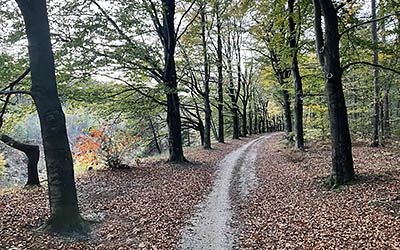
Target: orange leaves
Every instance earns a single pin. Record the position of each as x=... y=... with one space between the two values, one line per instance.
x=107 y=147
x=88 y=146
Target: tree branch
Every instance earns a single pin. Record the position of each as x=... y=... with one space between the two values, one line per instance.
x=367 y=22
x=369 y=64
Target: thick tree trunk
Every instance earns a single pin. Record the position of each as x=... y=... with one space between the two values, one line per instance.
x=374 y=32
x=207 y=107
x=342 y=160
x=221 y=132
x=298 y=86
x=173 y=111
x=32 y=152
x=64 y=212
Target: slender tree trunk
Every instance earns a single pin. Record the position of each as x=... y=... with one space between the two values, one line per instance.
x=251 y=121
x=64 y=212
x=32 y=152
x=173 y=111
x=255 y=121
x=298 y=86
x=244 y=119
x=288 y=111
x=386 y=114
x=342 y=160
x=214 y=129
x=377 y=101
x=239 y=76
x=221 y=133
x=207 y=108
x=155 y=137
x=232 y=95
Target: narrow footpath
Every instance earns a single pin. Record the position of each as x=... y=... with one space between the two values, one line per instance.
x=210 y=227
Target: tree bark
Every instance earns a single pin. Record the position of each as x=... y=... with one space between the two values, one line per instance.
x=207 y=107
x=32 y=152
x=288 y=112
x=298 y=85
x=386 y=114
x=244 y=120
x=64 y=212
x=155 y=136
x=251 y=122
x=374 y=32
x=173 y=112
x=342 y=160
x=232 y=95
x=255 y=121
x=221 y=133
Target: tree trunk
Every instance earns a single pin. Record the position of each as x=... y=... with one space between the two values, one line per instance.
x=342 y=160
x=244 y=119
x=32 y=152
x=201 y=133
x=386 y=114
x=374 y=31
x=221 y=133
x=155 y=137
x=207 y=108
x=173 y=112
x=232 y=95
x=64 y=212
x=298 y=86
x=255 y=122
x=288 y=111
x=251 y=122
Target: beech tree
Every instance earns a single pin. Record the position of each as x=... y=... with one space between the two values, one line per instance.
x=327 y=42
x=64 y=211
x=297 y=81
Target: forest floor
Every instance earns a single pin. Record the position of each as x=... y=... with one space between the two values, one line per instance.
x=272 y=197
x=145 y=207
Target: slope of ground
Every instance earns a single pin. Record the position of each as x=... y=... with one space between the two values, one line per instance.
x=291 y=210
x=142 y=208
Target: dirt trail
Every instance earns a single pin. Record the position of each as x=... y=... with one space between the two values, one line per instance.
x=211 y=227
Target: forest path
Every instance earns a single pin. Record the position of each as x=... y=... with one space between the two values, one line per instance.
x=210 y=227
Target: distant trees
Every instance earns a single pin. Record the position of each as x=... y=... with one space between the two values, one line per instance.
x=233 y=68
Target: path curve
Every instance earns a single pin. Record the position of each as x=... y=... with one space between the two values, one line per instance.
x=210 y=227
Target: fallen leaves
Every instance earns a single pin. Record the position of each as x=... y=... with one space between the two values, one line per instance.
x=142 y=208
x=290 y=211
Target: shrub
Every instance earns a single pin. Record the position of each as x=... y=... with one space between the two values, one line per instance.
x=109 y=148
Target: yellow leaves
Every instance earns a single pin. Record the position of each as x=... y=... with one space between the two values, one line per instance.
x=317 y=108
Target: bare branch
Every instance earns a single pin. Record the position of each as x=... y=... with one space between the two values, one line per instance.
x=183 y=16
x=369 y=64
x=367 y=22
